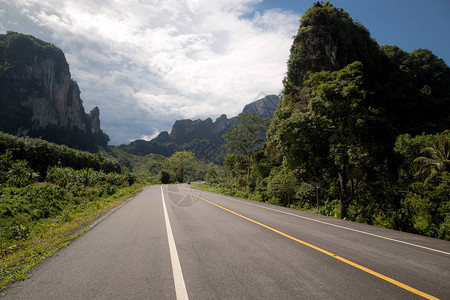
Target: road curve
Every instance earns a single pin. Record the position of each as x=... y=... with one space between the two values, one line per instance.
x=229 y=248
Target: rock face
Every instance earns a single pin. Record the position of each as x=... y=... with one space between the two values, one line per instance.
x=203 y=137
x=94 y=117
x=264 y=107
x=184 y=131
x=38 y=96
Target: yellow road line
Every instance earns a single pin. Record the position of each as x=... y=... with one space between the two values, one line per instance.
x=381 y=276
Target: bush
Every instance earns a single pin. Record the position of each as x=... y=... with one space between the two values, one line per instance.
x=164 y=177
x=41 y=154
x=274 y=201
x=20 y=174
x=282 y=185
x=305 y=195
x=17 y=232
x=66 y=190
x=68 y=177
x=330 y=208
x=444 y=229
x=430 y=206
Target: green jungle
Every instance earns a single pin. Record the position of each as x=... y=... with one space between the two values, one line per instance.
x=361 y=133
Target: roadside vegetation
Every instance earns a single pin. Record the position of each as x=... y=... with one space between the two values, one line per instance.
x=419 y=203
x=147 y=166
x=48 y=195
x=181 y=167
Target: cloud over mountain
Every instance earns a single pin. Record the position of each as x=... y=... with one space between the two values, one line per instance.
x=147 y=63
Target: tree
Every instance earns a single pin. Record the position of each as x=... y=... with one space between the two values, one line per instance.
x=360 y=146
x=302 y=139
x=439 y=160
x=282 y=185
x=417 y=87
x=164 y=177
x=214 y=174
x=178 y=164
x=339 y=141
x=246 y=138
x=236 y=166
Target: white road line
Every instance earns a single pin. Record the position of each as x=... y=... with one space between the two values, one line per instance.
x=342 y=227
x=180 y=286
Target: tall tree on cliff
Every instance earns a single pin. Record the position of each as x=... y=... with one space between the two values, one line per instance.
x=330 y=127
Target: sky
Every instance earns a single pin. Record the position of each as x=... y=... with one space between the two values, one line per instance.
x=147 y=63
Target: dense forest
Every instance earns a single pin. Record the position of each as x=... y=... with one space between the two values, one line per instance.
x=361 y=132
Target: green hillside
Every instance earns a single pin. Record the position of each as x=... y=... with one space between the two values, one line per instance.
x=361 y=132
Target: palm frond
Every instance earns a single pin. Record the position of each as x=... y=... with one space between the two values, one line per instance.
x=437 y=161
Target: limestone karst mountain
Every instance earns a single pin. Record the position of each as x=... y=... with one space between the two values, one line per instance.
x=203 y=137
x=38 y=97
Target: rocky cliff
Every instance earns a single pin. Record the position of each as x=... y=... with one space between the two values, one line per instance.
x=203 y=137
x=39 y=98
x=264 y=107
x=185 y=131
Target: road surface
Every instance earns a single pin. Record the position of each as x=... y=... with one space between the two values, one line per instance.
x=174 y=242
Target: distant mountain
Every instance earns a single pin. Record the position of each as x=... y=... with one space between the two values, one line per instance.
x=38 y=97
x=203 y=137
x=264 y=107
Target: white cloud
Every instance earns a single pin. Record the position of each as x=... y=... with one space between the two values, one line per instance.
x=171 y=59
x=148 y=137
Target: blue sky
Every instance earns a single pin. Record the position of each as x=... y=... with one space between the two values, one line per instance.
x=409 y=24
x=147 y=63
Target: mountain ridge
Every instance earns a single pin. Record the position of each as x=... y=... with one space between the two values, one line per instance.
x=203 y=137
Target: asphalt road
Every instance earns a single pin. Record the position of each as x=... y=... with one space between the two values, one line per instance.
x=173 y=242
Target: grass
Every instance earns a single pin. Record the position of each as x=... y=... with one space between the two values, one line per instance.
x=50 y=235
